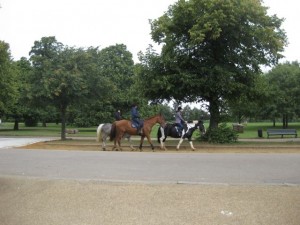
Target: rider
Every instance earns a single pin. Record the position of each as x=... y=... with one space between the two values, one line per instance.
x=179 y=121
x=118 y=115
x=135 y=117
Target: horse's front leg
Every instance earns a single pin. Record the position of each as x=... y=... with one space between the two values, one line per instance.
x=191 y=144
x=150 y=142
x=141 y=143
x=162 y=139
x=103 y=144
x=179 y=143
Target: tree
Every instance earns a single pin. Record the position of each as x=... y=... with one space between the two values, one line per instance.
x=8 y=83
x=284 y=81
x=117 y=65
x=251 y=104
x=212 y=51
x=109 y=75
x=21 y=109
x=56 y=79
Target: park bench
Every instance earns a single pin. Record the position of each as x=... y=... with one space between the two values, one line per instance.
x=71 y=131
x=282 y=132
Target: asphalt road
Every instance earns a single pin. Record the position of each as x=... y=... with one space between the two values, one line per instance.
x=140 y=167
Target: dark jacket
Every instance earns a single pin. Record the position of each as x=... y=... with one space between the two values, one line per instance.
x=118 y=116
x=135 y=116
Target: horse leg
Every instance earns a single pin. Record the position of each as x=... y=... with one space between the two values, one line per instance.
x=131 y=146
x=164 y=145
x=141 y=143
x=119 y=138
x=192 y=146
x=104 y=137
x=119 y=144
x=150 y=142
x=162 y=139
x=191 y=143
x=103 y=144
x=179 y=143
x=115 y=145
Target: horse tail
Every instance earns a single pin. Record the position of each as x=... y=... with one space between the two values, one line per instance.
x=113 y=132
x=99 y=132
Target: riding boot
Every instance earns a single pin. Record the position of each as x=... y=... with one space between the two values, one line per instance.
x=139 y=131
x=179 y=131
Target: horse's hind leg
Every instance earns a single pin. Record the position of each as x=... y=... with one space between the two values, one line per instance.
x=131 y=146
x=115 y=145
x=119 y=144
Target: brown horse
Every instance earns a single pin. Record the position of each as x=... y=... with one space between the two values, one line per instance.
x=119 y=128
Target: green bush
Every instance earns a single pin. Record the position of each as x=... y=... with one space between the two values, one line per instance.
x=222 y=134
x=31 y=122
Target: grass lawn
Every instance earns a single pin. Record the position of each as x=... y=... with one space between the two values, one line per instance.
x=53 y=130
x=251 y=129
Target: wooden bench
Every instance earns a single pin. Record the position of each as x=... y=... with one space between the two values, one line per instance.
x=71 y=131
x=282 y=132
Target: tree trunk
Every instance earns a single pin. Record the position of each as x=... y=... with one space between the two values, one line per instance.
x=284 y=121
x=16 y=125
x=214 y=114
x=63 y=123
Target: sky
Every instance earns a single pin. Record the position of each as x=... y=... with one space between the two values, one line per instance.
x=102 y=23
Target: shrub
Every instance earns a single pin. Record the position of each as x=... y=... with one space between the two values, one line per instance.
x=222 y=134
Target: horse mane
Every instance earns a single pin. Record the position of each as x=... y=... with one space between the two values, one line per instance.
x=152 y=117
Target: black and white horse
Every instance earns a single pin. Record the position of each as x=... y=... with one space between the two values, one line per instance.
x=103 y=132
x=172 y=131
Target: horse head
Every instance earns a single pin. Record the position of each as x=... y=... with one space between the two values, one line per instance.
x=201 y=126
x=161 y=120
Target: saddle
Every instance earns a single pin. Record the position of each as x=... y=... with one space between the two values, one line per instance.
x=136 y=125
x=177 y=129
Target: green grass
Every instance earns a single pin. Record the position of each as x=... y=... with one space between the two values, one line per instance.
x=251 y=129
x=53 y=130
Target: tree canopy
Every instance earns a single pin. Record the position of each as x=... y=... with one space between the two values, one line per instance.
x=8 y=85
x=284 y=91
x=212 y=50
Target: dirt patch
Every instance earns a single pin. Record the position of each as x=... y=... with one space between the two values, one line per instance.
x=91 y=145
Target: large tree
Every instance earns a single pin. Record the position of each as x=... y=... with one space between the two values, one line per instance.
x=212 y=50
x=8 y=83
x=57 y=79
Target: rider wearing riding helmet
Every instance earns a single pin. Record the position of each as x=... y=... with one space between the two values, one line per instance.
x=179 y=121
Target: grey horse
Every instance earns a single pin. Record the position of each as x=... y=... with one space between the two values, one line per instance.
x=103 y=131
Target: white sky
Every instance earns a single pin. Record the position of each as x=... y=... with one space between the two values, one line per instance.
x=85 y=23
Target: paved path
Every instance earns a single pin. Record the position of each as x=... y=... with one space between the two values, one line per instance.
x=9 y=142
x=153 y=167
